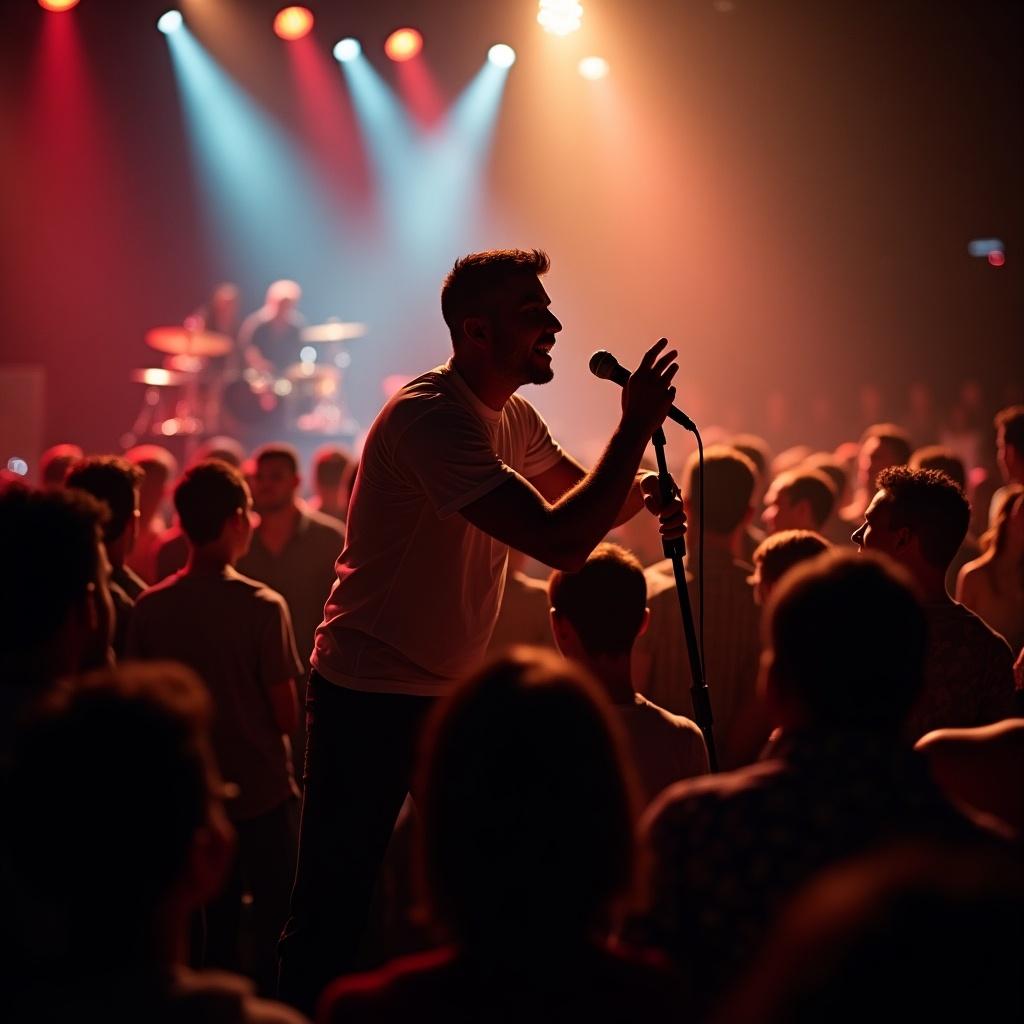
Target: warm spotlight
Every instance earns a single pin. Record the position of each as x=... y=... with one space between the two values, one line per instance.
x=501 y=55
x=293 y=22
x=560 y=17
x=593 y=68
x=403 y=44
x=346 y=50
x=170 y=22
x=996 y=258
x=57 y=5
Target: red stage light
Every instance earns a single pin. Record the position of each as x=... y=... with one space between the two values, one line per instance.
x=996 y=258
x=403 y=44
x=57 y=5
x=293 y=22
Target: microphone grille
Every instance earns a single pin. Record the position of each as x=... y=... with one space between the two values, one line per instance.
x=603 y=364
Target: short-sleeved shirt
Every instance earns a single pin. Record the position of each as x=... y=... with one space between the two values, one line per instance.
x=237 y=635
x=968 y=673
x=302 y=572
x=667 y=748
x=418 y=585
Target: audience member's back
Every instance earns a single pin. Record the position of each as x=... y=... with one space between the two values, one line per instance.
x=729 y=850
x=526 y=851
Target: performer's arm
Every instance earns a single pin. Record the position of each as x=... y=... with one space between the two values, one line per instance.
x=564 y=532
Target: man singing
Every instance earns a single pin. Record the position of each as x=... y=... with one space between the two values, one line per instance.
x=456 y=469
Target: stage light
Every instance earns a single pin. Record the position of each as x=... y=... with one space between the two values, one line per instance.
x=501 y=55
x=57 y=5
x=293 y=22
x=170 y=22
x=996 y=258
x=347 y=49
x=403 y=44
x=560 y=17
x=593 y=68
x=981 y=247
x=14 y=464
x=307 y=354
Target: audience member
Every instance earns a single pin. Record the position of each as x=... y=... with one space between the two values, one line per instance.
x=54 y=464
x=992 y=586
x=982 y=768
x=777 y=554
x=236 y=633
x=802 y=499
x=1009 y=424
x=158 y=467
x=115 y=482
x=919 y=518
x=523 y=616
x=756 y=449
x=945 y=460
x=596 y=615
x=119 y=836
x=172 y=546
x=56 y=616
x=526 y=857
x=294 y=548
x=881 y=445
x=730 y=616
x=834 y=529
x=334 y=470
x=845 y=640
x=922 y=932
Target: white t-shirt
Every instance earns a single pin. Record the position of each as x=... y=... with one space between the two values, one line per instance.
x=418 y=585
x=666 y=747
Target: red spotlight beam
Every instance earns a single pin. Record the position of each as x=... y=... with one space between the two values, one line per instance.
x=419 y=91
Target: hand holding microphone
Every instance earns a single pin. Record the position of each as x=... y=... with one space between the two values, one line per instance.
x=605 y=365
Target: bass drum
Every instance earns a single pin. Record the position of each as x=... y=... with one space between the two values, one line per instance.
x=252 y=403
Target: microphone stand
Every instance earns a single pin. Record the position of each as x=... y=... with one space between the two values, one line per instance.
x=674 y=550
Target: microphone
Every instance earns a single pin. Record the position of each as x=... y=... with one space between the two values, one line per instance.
x=607 y=367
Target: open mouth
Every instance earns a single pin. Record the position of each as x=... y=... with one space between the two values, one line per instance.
x=544 y=347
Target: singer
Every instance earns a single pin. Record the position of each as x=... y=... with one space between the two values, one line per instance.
x=456 y=469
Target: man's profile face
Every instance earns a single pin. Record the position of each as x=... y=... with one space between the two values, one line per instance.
x=522 y=329
x=274 y=485
x=779 y=511
x=876 y=533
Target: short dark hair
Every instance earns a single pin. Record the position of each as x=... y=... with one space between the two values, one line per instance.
x=943 y=459
x=728 y=483
x=473 y=276
x=604 y=602
x=779 y=552
x=893 y=435
x=812 y=486
x=114 y=481
x=848 y=635
x=827 y=464
x=111 y=783
x=330 y=464
x=55 y=462
x=206 y=497
x=931 y=506
x=1011 y=421
x=528 y=807
x=278 y=450
x=756 y=449
x=51 y=558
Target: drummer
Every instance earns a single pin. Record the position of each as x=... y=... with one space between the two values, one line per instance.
x=270 y=339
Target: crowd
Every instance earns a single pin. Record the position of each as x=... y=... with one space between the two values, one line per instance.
x=566 y=854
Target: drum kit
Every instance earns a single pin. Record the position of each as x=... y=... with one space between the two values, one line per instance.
x=194 y=393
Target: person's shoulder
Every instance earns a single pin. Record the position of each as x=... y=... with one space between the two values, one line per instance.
x=166 y=590
x=224 y=987
x=320 y=523
x=403 y=986
x=977 y=628
x=253 y=590
x=704 y=793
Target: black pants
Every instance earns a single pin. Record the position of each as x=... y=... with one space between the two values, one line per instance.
x=264 y=866
x=360 y=749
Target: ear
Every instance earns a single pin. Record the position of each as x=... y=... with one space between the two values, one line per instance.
x=748 y=516
x=904 y=538
x=476 y=329
x=210 y=857
x=644 y=623
x=566 y=638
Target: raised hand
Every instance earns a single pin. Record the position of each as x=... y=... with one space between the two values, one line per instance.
x=648 y=394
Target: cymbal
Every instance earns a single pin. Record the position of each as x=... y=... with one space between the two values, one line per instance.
x=157 y=377
x=181 y=341
x=333 y=330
